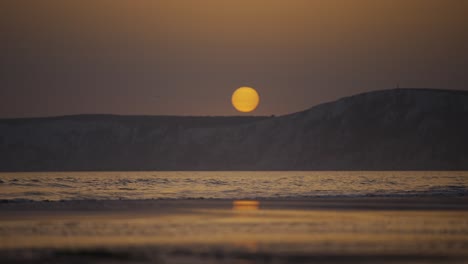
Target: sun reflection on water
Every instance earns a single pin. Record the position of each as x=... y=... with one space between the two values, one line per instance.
x=245 y=205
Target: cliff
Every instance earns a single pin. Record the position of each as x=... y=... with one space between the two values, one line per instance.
x=401 y=129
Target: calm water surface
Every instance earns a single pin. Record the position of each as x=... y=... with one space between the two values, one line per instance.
x=228 y=185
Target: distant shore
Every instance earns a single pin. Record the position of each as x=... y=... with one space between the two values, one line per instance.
x=397 y=129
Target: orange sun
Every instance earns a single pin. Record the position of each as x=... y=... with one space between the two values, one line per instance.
x=245 y=99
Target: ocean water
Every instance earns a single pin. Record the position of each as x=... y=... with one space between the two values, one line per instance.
x=274 y=217
x=55 y=186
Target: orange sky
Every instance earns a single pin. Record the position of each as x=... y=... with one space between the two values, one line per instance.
x=186 y=57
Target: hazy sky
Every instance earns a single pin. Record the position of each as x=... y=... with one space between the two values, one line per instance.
x=186 y=57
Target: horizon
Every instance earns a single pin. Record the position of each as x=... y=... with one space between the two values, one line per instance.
x=241 y=115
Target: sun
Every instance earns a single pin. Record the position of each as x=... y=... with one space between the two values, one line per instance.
x=245 y=99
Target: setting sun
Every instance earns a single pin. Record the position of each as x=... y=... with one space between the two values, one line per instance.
x=245 y=99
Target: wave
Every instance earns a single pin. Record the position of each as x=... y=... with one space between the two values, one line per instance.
x=230 y=185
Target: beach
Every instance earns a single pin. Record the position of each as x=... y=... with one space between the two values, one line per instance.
x=361 y=230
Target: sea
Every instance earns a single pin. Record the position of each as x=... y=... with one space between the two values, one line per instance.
x=243 y=217
x=62 y=186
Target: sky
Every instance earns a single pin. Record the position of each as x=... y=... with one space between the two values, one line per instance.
x=171 y=57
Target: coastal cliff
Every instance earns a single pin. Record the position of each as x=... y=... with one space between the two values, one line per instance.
x=400 y=129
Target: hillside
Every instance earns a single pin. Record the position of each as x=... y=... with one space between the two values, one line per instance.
x=401 y=129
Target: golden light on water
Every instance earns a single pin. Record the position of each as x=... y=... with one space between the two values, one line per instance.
x=245 y=99
x=245 y=205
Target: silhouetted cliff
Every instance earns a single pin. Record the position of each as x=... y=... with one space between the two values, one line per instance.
x=401 y=129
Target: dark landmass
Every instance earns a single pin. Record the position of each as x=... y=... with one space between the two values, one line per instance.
x=400 y=129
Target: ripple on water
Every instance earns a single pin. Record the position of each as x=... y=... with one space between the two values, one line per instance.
x=36 y=193
x=25 y=184
x=234 y=184
x=59 y=185
x=215 y=182
x=232 y=190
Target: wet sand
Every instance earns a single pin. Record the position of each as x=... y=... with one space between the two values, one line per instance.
x=321 y=230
